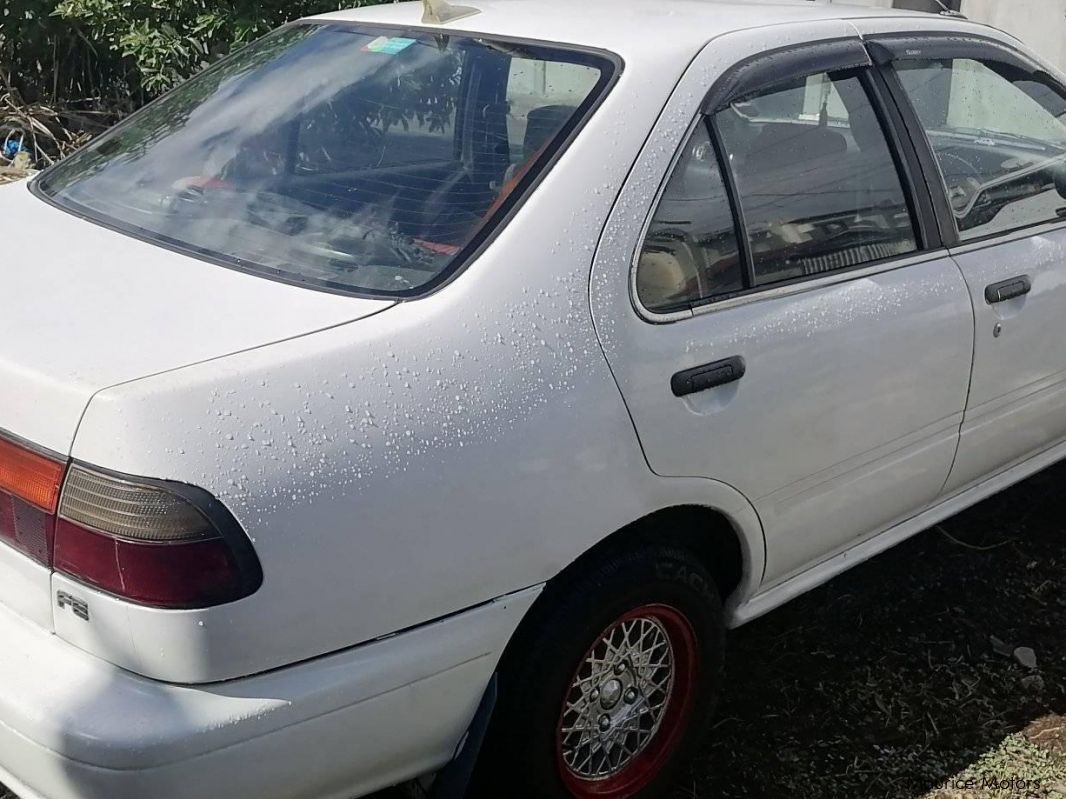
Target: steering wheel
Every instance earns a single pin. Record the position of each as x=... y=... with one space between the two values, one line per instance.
x=963 y=179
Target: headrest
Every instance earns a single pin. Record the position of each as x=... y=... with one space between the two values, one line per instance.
x=544 y=123
x=662 y=279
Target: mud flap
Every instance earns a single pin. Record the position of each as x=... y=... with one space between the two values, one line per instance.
x=454 y=780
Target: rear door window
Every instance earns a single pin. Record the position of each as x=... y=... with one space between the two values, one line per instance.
x=817 y=181
x=813 y=186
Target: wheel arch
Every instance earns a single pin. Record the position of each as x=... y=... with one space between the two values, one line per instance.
x=726 y=537
x=707 y=532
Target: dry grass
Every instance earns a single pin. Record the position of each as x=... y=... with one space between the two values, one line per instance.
x=1018 y=767
x=46 y=133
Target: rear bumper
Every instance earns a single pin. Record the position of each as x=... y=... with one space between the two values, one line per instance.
x=75 y=727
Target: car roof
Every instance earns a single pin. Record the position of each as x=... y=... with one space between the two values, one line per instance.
x=625 y=27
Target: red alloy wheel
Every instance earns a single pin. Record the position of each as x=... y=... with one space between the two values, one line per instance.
x=628 y=704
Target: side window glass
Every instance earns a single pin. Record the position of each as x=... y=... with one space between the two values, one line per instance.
x=690 y=254
x=999 y=135
x=816 y=179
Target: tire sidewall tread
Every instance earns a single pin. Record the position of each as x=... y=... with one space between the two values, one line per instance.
x=520 y=759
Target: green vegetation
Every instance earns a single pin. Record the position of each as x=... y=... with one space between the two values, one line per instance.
x=69 y=68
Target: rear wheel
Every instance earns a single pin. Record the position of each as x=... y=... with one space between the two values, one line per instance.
x=610 y=684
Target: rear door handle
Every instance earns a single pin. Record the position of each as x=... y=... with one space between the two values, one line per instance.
x=1008 y=289
x=712 y=375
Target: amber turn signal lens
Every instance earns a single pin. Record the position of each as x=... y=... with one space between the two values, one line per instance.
x=29 y=476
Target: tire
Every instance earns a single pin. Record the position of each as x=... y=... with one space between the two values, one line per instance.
x=557 y=696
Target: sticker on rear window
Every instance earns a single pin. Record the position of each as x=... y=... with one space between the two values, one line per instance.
x=389 y=45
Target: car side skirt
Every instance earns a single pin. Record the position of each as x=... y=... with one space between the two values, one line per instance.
x=766 y=601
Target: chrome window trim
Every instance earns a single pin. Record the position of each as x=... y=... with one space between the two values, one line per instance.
x=795 y=288
x=830 y=279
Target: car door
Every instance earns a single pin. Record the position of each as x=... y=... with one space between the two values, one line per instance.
x=793 y=325
x=994 y=125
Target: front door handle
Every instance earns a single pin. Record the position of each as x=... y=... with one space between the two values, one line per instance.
x=1008 y=289
x=712 y=375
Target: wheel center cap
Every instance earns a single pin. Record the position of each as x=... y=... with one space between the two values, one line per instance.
x=611 y=694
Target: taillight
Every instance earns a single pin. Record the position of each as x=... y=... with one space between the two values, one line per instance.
x=29 y=493
x=167 y=545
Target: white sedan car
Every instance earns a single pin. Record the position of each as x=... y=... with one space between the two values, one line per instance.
x=426 y=393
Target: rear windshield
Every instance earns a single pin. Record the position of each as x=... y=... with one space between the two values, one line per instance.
x=348 y=158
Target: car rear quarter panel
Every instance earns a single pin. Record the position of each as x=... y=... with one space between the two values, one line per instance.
x=407 y=466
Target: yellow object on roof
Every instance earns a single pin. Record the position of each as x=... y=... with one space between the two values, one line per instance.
x=440 y=12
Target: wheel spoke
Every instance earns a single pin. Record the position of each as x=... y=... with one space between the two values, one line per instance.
x=618 y=698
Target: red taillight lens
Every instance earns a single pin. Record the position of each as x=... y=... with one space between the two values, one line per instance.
x=192 y=574
x=26 y=528
x=29 y=493
x=166 y=545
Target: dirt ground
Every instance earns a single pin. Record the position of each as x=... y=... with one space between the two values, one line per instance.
x=900 y=680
